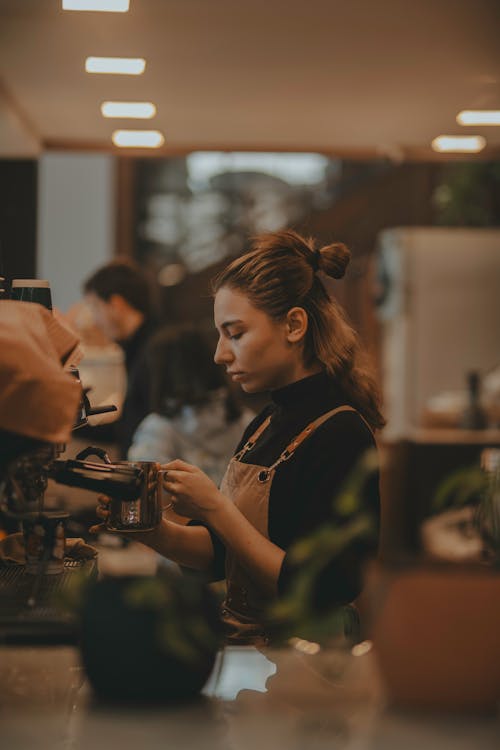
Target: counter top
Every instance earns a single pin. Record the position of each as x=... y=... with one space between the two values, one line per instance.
x=447 y=436
x=254 y=700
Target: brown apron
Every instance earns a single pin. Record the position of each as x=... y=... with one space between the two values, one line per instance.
x=249 y=487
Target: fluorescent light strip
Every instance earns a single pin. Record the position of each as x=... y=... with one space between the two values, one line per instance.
x=470 y=144
x=109 y=6
x=138 y=138
x=132 y=66
x=479 y=117
x=138 y=110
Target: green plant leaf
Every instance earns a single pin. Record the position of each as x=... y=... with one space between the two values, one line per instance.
x=458 y=488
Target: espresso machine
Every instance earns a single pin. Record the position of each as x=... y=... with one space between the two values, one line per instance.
x=27 y=613
x=27 y=476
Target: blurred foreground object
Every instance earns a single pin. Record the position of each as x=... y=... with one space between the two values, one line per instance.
x=304 y=610
x=37 y=398
x=148 y=639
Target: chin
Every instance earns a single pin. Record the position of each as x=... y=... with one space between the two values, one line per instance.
x=249 y=388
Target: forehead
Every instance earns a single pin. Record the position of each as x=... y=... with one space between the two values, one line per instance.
x=230 y=305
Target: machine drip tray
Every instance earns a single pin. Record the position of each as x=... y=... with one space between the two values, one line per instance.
x=43 y=623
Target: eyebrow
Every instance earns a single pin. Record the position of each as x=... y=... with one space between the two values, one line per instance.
x=230 y=323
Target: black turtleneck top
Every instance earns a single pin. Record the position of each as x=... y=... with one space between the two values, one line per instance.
x=304 y=487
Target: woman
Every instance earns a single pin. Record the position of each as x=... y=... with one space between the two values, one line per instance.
x=280 y=332
x=194 y=415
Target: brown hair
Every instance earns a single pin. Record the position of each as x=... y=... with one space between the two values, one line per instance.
x=280 y=272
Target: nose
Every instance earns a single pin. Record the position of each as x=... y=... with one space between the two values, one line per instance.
x=223 y=353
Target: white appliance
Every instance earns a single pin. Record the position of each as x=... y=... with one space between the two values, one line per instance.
x=439 y=307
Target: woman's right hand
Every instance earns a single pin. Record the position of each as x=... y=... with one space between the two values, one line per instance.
x=103 y=512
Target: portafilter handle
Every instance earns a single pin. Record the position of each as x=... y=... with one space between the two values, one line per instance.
x=85 y=410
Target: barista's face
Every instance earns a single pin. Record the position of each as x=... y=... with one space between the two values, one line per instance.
x=107 y=315
x=258 y=352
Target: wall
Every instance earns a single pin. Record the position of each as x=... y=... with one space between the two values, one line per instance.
x=18 y=181
x=76 y=220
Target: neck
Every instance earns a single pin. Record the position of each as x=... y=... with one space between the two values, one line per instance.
x=301 y=372
x=305 y=372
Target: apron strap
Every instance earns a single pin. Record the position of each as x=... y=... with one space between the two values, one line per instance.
x=306 y=432
x=291 y=447
x=252 y=439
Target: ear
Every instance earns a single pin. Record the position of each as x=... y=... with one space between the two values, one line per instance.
x=296 y=324
x=117 y=303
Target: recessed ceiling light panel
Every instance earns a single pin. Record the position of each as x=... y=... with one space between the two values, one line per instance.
x=467 y=144
x=138 y=138
x=132 y=66
x=109 y=6
x=479 y=117
x=138 y=110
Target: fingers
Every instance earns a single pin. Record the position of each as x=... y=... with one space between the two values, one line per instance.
x=179 y=465
x=172 y=477
x=102 y=510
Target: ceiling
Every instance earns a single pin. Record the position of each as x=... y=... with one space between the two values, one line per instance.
x=348 y=77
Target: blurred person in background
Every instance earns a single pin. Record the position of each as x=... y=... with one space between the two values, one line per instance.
x=195 y=415
x=120 y=295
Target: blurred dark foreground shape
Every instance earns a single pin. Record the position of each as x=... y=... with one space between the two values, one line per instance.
x=148 y=639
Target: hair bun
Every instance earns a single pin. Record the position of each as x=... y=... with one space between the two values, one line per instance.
x=335 y=259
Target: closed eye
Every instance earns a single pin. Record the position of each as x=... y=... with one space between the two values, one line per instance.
x=236 y=336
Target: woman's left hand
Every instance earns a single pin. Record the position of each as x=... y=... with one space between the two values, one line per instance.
x=193 y=494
